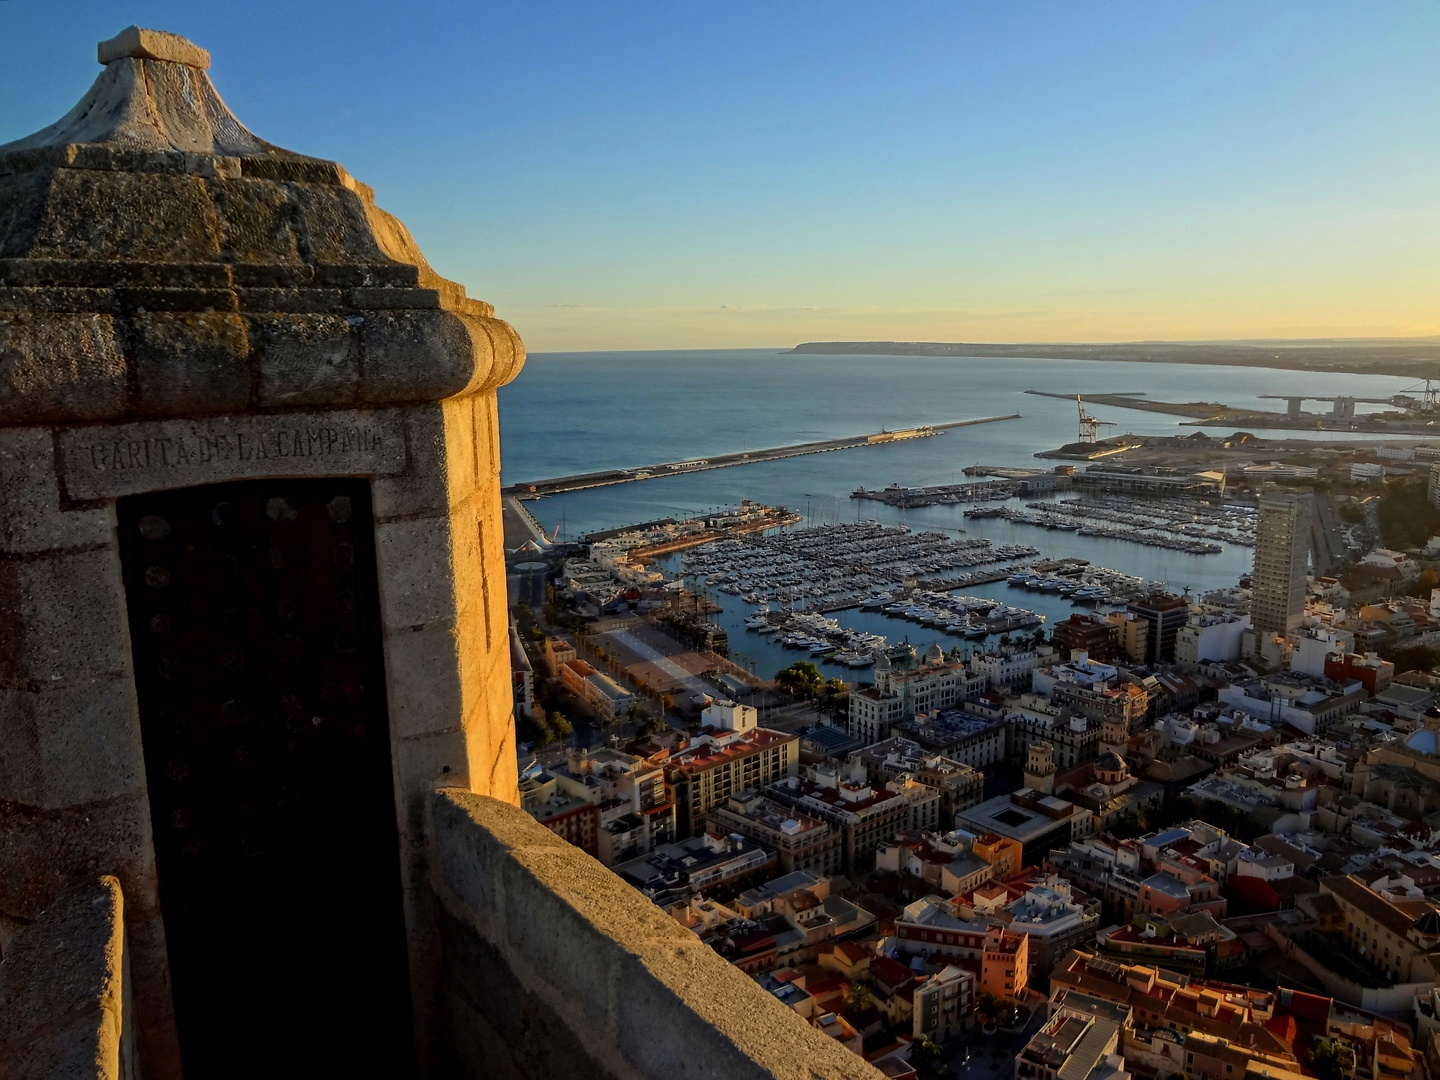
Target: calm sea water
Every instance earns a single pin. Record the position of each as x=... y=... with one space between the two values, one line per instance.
x=577 y=412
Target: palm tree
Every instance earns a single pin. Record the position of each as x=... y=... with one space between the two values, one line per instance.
x=859 y=998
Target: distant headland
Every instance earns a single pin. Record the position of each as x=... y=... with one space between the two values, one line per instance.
x=1413 y=356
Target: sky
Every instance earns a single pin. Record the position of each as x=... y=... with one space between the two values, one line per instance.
x=617 y=175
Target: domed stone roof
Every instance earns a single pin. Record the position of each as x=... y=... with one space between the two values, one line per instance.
x=158 y=259
x=935 y=654
x=1110 y=762
x=1424 y=740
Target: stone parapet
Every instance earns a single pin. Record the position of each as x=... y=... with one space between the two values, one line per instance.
x=556 y=967
x=63 y=991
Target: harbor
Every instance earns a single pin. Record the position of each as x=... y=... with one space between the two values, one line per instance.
x=1178 y=524
x=535 y=489
x=843 y=594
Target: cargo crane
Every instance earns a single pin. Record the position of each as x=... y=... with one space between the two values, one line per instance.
x=1088 y=424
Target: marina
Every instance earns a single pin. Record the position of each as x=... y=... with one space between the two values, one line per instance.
x=834 y=567
x=843 y=594
x=1179 y=524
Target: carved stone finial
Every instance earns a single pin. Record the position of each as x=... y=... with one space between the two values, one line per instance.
x=140 y=44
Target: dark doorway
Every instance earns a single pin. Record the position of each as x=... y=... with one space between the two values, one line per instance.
x=254 y=620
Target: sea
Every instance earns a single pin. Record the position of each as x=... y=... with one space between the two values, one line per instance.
x=580 y=412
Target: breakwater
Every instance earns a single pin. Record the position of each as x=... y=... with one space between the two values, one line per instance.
x=534 y=489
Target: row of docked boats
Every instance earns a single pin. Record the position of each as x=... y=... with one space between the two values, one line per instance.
x=823 y=638
x=1086 y=584
x=1046 y=517
x=1188 y=518
x=833 y=566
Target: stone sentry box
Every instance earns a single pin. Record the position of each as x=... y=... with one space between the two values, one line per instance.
x=183 y=304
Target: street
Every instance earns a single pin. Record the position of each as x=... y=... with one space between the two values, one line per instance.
x=992 y=1057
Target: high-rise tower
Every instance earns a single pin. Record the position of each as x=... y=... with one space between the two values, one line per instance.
x=1281 y=550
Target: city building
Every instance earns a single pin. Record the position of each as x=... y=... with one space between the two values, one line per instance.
x=1282 y=550
x=947 y=862
x=1004 y=963
x=934 y=926
x=1036 y=822
x=570 y=817
x=1210 y=636
x=1134 y=634
x=557 y=652
x=899 y=693
x=1004 y=855
x=1163 y=615
x=606 y=698
x=633 y=810
x=1074 y=737
x=1306 y=703
x=1097 y=637
x=1371 y=672
x=1008 y=669
x=800 y=842
x=1081 y=1039
x=958 y=785
x=866 y=816
x=1314 y=646
x=730 y=755
x=1049 y=911
x=522 y=676
x=713 y=866
x=944 y=1003
x=975 y=736
x=1104 y=868
x=1398 y=936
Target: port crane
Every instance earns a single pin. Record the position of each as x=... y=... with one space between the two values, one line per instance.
x=1088 y=424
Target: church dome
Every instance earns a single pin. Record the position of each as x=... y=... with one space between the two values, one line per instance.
x=1424 y=741
x=159 y=259
x=1110 y=762
x=935 y=654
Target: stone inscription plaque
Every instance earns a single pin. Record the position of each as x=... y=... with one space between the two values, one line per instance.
x=125 y=459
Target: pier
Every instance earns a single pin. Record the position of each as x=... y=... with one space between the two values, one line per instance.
x=534 y=489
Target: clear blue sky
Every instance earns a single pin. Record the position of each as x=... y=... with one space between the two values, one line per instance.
x=617 y=175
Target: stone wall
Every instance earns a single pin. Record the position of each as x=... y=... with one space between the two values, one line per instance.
x=553 y=966
x=63 y=1007
x=73 y=798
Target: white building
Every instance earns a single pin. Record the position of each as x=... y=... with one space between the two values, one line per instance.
x=1210 y=636
x=1010 y=670
x=1315 y=644
x=900 y=694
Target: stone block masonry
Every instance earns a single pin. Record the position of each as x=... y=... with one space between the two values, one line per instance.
x=556 y=967
x=63 y=1008
x=183 y=304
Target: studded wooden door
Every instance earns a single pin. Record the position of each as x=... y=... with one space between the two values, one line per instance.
x=254 y=622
